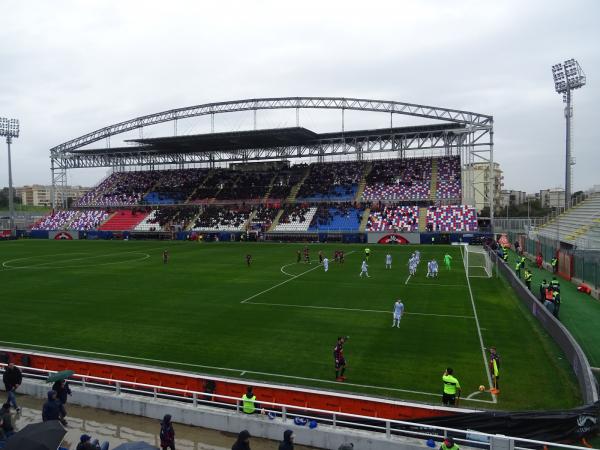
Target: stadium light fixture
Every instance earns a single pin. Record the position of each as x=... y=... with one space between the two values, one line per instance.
x=568 y=76
x=10 y=129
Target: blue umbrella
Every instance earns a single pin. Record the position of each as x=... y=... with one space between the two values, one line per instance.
x=136 y=446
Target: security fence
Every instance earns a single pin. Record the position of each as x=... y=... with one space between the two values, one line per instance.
x=560 y=334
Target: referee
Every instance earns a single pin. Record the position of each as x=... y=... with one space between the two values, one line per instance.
x=451 y=388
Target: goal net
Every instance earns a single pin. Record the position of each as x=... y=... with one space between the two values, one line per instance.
x=477 y=262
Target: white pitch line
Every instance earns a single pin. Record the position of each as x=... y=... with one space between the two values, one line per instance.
x=439 y=285
x=406 y=282
x=137 y=358
x=286 y=305
x=287 y=273
x=487 y=369
x=286 y=281
x=280 y=284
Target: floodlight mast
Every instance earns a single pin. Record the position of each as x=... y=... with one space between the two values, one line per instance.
x=10 y=129
x=568 y=77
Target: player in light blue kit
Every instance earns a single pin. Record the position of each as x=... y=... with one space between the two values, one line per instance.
x=434 y=268
x=398 y=313
x=388 y=261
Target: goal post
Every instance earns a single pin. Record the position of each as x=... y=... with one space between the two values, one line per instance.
x=477 y=262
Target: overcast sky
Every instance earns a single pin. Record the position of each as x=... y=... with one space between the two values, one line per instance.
x=70 y=67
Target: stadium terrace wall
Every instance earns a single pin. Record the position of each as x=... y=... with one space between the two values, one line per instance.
x=266 y=392
x=560 y=334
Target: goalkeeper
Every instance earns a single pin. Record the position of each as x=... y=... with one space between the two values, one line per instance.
x=448 y=261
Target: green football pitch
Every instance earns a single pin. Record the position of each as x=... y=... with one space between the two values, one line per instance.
x=206 y=311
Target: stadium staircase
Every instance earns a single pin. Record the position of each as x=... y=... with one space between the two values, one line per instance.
x=123 y=220
x=363 y=182
x=248 y=223
x=276 y=220
x=422 y=220
x=197 y=187
x=294 y=192
x=365 y=219
x=434 y=183
x=266 y=197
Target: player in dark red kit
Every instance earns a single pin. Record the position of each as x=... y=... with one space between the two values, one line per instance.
x=248 y=259
x=165 y=257
x=340 y=361
x=306 y=255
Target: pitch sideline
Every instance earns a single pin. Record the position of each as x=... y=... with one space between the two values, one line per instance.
x=227 y=369
x=487 y=369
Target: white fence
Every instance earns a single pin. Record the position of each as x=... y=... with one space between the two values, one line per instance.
x=282 y=412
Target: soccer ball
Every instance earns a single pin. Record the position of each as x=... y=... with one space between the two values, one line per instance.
x=482 y=388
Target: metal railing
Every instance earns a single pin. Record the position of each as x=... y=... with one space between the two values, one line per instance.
x=285 y=413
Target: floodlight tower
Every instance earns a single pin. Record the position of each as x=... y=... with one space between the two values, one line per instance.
x=568 y=77
x=10 y=129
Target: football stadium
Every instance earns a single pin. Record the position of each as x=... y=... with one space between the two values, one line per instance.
x=277 y=258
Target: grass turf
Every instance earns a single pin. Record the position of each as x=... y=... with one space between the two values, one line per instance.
x=119 y=298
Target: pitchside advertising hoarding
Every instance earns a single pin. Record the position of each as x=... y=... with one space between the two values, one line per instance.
x=63 y=235
x=393 y=238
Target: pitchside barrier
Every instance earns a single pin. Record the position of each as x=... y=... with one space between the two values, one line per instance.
x=560 y=334
x=199 y=408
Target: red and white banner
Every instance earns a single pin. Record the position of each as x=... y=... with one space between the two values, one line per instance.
x=63 y=235
x=393 y=238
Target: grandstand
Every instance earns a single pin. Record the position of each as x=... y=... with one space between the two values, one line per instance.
x=325 y=201
x=579 y=225
x=372 y=169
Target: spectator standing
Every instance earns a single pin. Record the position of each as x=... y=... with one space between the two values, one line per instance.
x=62 y=389
x=167 y=433
x=242 y=442
x=12 y=380
x=288 y=440
x=52 y=408
x=6 y=423
x=86 y=443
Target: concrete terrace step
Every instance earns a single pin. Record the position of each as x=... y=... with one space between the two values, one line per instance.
x=276 y=220
x=363 y=181
x=434 y=179
x=422 y=219
x=294 y=192
x=364 y=220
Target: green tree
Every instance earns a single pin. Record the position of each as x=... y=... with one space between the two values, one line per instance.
x=4 y=198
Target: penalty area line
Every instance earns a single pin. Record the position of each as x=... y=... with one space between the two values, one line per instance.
x=406 y=282
x=277 y=375
x=337 y=308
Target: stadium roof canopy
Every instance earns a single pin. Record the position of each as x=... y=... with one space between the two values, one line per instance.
x=234 y=141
